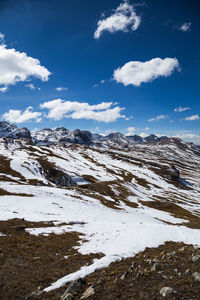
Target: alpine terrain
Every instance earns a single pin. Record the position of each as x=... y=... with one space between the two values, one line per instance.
x=85 y=216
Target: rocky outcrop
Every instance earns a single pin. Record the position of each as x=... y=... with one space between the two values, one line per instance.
x=8 y=130
x=173 y=173
x=54 y=175
x=82 y=137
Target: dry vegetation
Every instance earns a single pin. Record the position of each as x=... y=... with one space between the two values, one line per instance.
x=28 y=262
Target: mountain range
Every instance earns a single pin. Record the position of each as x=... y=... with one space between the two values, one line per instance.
x=60 y=135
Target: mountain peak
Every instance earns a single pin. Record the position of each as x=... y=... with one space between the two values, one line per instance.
x=8 y=130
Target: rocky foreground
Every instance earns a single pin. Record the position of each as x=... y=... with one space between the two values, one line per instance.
x=29 y=264
x=170 y=271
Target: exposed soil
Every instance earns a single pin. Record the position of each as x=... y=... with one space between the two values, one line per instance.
x=28 y=261
x=5 y=168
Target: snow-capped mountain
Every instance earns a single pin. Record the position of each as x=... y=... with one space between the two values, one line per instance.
x=61 y=135
x=117 y=140
x=8 y=130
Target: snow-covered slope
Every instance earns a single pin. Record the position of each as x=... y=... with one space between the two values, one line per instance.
x=120 y=200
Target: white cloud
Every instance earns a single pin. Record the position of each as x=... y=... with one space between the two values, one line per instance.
x=2 y=36
x=61 y=88
x=158 y=118
x=136 y=72
x=18 y=66
x=4 y=89
x=143 y=134
x=17 y=116
x=98 y=84
x=123 y=19
x=189 y=137
x=185 y=26
x=130 y=131
x=181 y=109
x=192 y=118
x=104 y=112
x=30 y=86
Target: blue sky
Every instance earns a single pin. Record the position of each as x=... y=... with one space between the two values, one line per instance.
x=102 y=65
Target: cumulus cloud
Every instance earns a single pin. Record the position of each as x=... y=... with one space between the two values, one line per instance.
x=18 y=66
x=61 y=88
x=189 y=137
x=2 y=38
x=3 y=89
x=158 y=118
x=18 y=116
x=192 y=118
x=30 y=86
x=123 y=18
x=143 y=134
x=105 y=111
x=181 y=109
x=185 y=26
x=130 y=131
x=136 y=72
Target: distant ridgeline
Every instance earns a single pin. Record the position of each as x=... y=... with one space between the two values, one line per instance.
x=49 y=136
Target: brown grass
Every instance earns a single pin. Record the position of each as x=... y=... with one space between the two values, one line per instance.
x=28 y=261
x=174 y=210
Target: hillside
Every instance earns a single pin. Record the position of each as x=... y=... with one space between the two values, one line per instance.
x=72 y=202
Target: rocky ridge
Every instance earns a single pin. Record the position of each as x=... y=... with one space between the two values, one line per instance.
x=8 y=130
x=61 y=135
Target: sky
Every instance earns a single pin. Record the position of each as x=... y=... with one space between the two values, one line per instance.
x=103 y=66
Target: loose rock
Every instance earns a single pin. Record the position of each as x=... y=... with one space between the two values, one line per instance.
x=171 y=254
x=195 y=258
x=74 y=286
x=124 y=275
x=156 y=267
x=165 y=291
x=196 y=276
x=89 y=292
x=68 y=297
x=34 y=295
